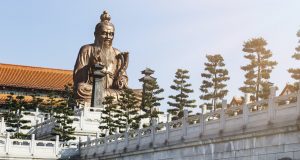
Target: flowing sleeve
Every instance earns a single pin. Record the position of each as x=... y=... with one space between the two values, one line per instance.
x=81 y=68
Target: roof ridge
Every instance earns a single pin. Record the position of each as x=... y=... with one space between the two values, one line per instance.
x=35 y=67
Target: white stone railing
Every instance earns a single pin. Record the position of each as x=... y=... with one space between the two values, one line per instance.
x=43 y=128
x=18 y=148
x=86 y=121
x=28 y=148
x=35 y=117
x=248 y=117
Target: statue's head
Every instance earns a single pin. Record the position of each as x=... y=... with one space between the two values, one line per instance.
x=104 y=31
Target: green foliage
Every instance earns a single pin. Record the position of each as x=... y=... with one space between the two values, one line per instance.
x=258 y=70
x=50 y=103
x=213 y=88
x=181 y=99
x=62 y=115
x=69 y=95
x=63 y=126
x=36 y=102
x=14 y=116
x=128 y=110
x=295 y=72
x=150 y=98
x=118 y=114
x=109 y=117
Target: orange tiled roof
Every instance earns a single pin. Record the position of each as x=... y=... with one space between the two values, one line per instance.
x=34 y=77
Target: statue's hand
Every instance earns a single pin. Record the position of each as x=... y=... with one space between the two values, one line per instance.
x=121 y=82
x=95 y=59
x=111 y=75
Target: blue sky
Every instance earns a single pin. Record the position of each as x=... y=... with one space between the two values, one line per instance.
x=163 y=35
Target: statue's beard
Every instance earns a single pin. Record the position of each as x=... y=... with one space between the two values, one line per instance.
x=103 y=55
x=107 y=44
x=103 y=43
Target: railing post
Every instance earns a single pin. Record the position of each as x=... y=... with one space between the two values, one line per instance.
x=105 y=141
x=32 y=144
x=117 y=130
x=153 y=130
x=85 y=110
x=106 y=132
x=36 y=115
x=184 y=122
x=169 y=118
x=298 y=102
x=140 y=125
x=56 y=145
x=36 y=111
x=204 y=109
x=167 y=125
x=116 y=141
x=105 y=138
x=79 y=144
x=2 y=129
x=42 y=119
x=7 y=143
x=271 y=104
x=139 y=137
x=222 y=115
x=88 y=139
x=81 y=120
x=202 y=119
x=97 y=135
x=246 y=110
x=126 y=135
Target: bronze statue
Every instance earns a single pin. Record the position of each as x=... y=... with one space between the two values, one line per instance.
x=101 y=52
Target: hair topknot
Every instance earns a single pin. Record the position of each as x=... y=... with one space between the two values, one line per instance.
x=105 y=17
x=105 y=20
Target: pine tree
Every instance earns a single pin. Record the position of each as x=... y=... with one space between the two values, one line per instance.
x=128 y=107
x=181 y=99
x=14 y=116
x=9 y=113
x=63 y=126
x=110 y=113
x=62 y=114
x=69 y=95
x=258 y=70
x=50 y=103
x=296 y=71
x=214 y=87
x=36 y=102
x=150 y=99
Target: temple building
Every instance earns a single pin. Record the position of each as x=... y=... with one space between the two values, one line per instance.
x=29 y=80
x=289 y=89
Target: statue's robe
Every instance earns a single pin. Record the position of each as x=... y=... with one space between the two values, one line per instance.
x=113 y=82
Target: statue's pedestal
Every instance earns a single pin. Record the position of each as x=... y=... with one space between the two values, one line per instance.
x=98 y=89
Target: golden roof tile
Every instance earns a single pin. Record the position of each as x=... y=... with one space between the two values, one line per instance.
x=34 y=77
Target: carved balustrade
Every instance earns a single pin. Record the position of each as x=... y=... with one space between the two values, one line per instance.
x=226 y=120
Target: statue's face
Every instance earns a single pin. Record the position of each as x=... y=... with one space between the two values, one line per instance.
x=106 y=35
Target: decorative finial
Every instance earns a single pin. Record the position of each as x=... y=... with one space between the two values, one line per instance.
x=105 y=17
